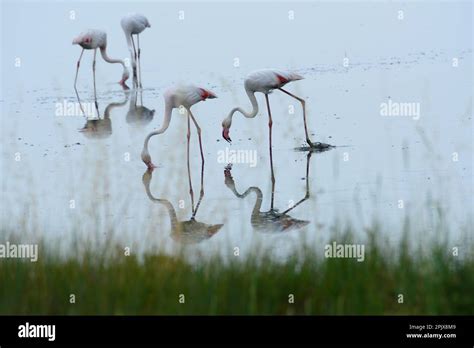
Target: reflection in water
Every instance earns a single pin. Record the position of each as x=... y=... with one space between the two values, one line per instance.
x=101 y=128
x=190 y=231
x=272 y=220
x=137 y=113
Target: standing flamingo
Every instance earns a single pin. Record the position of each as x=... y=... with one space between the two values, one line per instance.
x=92 y=40
x=265 y=81
x=175 y=97
x=134 y=24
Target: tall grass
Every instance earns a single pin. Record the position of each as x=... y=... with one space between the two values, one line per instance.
x=432 y=281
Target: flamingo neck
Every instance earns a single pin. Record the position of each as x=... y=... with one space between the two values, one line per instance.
x=103 y=52
x=128 y=36
x=112 y=106
x=258 y=202
x=252 y=113
x=164 y=127
x=133 y=101
x=166 y=203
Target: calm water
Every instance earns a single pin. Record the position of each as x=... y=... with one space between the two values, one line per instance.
x=62 y=184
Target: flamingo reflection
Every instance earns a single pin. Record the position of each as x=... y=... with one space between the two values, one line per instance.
x=189 y=231
x=138 y=114
x=102 y=127
x=271 y=220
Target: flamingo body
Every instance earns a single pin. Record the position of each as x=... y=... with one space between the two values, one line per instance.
x=134 y=23
x=91 y=39
x=186 y=95
x=265 y=81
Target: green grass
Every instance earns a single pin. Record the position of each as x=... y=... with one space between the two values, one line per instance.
x=432 y=282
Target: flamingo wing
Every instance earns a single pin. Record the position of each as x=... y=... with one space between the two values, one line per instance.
x=268 y=79
x=91 y=38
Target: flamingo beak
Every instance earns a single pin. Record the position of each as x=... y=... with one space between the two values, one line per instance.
x=225 y=135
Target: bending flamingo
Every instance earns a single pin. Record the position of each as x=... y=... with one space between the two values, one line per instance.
x=134 y=24
x=265 y=81
x=92 y=40
x=175 y=97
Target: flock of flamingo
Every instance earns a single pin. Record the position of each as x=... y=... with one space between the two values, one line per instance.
x=263 y=81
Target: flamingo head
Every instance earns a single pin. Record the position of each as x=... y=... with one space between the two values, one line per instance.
x=146 y=158
x=225 y=135
x=125 y=76
x=225 y=130
x=85 y=41
x=207 y=94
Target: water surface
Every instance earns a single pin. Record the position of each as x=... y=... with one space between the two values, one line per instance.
x=66 y=178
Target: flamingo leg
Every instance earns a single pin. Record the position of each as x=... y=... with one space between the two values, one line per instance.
x=201 y=195
x=139 y=63
x=270 y=125
x=191 y=193
x=95 y=90
x=135 y=99
x=307 y=186
x=134 y=63
x=75 y=81
x=199 y=134
x=303 y=104
x=200 y=148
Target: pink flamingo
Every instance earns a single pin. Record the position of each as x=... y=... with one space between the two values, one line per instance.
x=92 y=40
x=175 y=97
x=265 y=81
x=134 y=24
